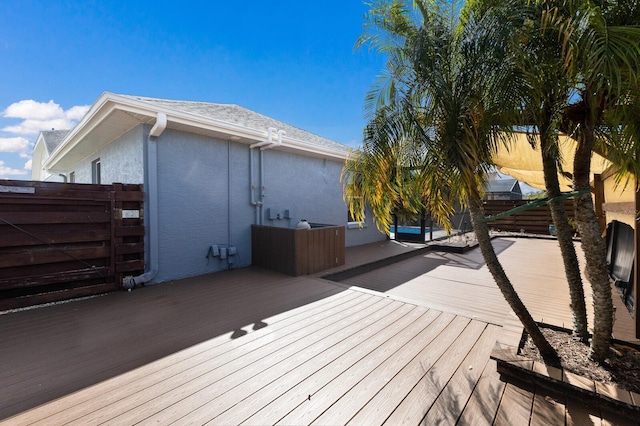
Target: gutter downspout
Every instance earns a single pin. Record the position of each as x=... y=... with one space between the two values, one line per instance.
x=258 y=204
x=252 y=187
x=263 y=187
x=152 y=190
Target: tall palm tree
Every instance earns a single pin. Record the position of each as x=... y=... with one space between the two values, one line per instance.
x=449 y=96
x=602 y=57
x=538 y=52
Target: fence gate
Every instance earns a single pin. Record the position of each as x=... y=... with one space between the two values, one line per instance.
x=64 y=240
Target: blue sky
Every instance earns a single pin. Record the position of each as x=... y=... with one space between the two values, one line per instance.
x=291 y=60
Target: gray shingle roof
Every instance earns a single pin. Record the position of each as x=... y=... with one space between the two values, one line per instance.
x=238 y=115
x=52 y=138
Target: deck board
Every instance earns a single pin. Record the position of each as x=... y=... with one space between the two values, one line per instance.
x=455 y=395
x=446 y=328
x=322 y=366
x=219 y=349
x=214 y=408
x=445 y=280
x=362 y=397
x=188 y=390
x=515 y=406
x=483 y=403
x=407 y=342
x=182 y=365
x=547 y=410
x=312 y=385
x=433 y=376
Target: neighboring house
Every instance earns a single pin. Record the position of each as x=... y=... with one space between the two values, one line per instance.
x=209 y=171
x=503 y=189
x=46 y=143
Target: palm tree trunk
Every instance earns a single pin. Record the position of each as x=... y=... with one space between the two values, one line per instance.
x=565 y=235
x=594 y=248
x=506 y=288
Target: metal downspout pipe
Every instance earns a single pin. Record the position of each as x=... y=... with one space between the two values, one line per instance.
x=272 y=143
x=257 y=204
x=252 y=199
x=152 y=209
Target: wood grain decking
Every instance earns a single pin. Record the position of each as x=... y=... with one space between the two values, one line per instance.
x=255 y=347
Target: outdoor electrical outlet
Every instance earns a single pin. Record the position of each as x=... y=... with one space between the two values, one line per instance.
x=223 y=253
x=232 y=251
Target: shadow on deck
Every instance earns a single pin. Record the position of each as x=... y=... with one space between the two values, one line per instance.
x=259 y=346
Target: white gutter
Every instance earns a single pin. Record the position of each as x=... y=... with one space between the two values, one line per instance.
x=152 y=209
x=269 y=140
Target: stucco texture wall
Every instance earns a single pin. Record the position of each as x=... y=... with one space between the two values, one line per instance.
x=310 y=189
x=121 y=161
x=204 y=199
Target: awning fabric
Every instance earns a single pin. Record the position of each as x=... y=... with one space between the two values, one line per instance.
x=521 y=161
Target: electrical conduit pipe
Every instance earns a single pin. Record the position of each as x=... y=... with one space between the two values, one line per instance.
x=258 y=204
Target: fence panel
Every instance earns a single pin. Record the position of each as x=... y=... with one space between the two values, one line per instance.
x=533 y=221
x=65 y=240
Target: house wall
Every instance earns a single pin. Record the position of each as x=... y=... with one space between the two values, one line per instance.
x=40 y=155
x=310 y=189
x=204 y=200
x=121 y=161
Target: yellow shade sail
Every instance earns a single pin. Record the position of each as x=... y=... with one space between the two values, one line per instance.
x=523 y=162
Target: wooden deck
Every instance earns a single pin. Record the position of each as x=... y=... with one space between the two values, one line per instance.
x=254 y=347
x=461 y=284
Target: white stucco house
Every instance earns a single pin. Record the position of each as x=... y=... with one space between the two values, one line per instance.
x=209 y=171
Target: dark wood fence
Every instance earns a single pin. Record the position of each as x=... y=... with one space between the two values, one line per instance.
x=297 y=251
x=65 y=240
x=532 y=221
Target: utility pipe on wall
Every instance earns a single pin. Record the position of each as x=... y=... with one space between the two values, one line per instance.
x=263 y=187
x=253 y=201
x=152 y=209
x=257 y=204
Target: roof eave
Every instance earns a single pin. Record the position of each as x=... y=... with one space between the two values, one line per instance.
x=110 y=102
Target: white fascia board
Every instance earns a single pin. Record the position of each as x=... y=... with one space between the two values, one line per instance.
x=316 y=150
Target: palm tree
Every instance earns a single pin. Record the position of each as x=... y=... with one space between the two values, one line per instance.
x=538 y=53
x=444 y=108
x=602 y=57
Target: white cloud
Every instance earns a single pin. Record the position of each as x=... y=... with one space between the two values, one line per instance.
x=77 y=112
x=38 y=116
x=18 y=145
x=8 y=171
x=30 y=109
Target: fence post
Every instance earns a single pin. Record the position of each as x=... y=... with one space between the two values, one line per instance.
x=116 y=222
